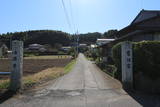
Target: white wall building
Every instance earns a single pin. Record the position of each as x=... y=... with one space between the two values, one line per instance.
x=103 y=41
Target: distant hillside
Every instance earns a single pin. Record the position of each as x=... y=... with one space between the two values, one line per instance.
x=53 y=37
x=50 y=37
x=89 y=38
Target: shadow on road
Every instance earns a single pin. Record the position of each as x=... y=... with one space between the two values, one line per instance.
x=6 y=95
x=145 y=100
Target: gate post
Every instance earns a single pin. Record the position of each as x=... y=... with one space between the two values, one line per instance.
x=127 y=65
x=16 y=65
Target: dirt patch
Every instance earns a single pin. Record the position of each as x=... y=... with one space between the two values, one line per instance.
x=36 y=65
x=32 y=66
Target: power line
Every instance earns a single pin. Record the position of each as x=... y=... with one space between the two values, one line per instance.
x=66 y=14
x=72 y=17
x=69 y=24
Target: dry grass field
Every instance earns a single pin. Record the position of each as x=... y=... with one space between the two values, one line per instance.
x=37 y=70
x=35 y=64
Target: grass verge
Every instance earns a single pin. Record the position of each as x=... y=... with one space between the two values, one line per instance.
x=69 y=67
x=4 y=84
x=90 y=58
x=41 y=77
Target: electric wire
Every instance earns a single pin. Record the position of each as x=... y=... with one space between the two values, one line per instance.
x=68 y=21
x=66 y=14
x=72 y=17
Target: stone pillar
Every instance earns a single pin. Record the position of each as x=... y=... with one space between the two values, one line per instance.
x=16 y=66
x=127 y=65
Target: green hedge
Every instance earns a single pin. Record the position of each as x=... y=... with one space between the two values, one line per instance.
x=146 y=58
x=116 y=56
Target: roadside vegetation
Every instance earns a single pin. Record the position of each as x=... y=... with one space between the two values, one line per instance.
x=145 y=58
x=146 y=64
x=69 y=67
x=96 y=56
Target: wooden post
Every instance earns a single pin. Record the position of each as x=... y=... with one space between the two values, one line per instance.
x=17 y=66
x=1 y=52
x=127 y=65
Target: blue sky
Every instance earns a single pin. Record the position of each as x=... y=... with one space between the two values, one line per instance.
x=87 y=15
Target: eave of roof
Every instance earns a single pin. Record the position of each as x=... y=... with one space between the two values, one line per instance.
x=133 y=27
x=143 y=12
x=130 y=35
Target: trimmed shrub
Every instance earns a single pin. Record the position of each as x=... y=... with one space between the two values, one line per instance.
x=116 y=56
x=146 y=58
x=111 y=70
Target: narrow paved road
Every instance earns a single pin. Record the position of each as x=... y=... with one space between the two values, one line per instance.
x=85 y=86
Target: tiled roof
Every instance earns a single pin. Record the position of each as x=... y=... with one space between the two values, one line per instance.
x=145 y=15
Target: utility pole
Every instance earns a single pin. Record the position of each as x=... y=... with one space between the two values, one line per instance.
x=77 y=42
x=10 y=42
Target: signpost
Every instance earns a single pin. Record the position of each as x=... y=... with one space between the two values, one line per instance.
x=16 y=65
x=127 y=65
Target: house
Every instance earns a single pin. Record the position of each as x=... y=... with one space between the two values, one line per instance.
x=83 y=45
x=92 y=48
x=3 y=49
x=146 y=26
x=104 y=52
x=74 y=44
x=66 y=49
x=100 y=42
x=36 y=47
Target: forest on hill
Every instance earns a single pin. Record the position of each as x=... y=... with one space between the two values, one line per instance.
x=53 y=37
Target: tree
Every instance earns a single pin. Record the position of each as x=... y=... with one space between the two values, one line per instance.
x=110 y=34
x=42 y=37
x=58 y=46
x=89 y=38
x=50 y=37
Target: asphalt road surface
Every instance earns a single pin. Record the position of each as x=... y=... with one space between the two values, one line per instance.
x=85 y=86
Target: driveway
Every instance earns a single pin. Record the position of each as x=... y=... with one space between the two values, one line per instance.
x=85 y=86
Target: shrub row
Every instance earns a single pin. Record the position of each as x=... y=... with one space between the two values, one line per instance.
x=146 y=58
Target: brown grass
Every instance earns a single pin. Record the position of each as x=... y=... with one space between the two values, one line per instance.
x=38 y=78
x=37 y=70
x=32 y=66
x=43 y=76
